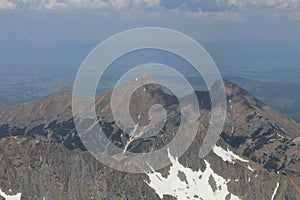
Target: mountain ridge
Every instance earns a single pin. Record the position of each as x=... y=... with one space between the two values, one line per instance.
x=254 y=147
x=63 y=97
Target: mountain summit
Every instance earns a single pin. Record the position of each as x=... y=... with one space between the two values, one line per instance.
x=256 y=157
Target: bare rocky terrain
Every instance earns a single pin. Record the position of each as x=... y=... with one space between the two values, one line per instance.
x=42 y=156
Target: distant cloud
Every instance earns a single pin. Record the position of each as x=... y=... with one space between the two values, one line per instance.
x=52 y=4
x=91 y=4
x=152 y=3
x=7 y=5
x=85 y=4
x=228 y=16
x=218 y=16
x=120 y=4
x=229 y=10
x=277 y=4
x=229 y=5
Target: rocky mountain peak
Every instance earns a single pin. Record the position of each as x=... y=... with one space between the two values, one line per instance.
x=257 y=156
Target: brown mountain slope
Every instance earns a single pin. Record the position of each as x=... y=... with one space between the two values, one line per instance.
x=256 y=155
x=241 y=106
x=54 y=106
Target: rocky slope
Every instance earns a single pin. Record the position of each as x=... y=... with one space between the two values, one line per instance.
x=257 y=156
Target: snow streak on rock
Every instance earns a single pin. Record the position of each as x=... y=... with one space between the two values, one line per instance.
x=275 y=191
x=227 y=155
x=10 y=197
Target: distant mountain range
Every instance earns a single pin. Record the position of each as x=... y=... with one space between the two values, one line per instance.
x=256 y=157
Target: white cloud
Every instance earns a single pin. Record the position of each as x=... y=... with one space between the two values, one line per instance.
x=91 y=4
x=277 y=4
x=218 y=16
x=86 y=4
x=152 y=3
x=198 y=14
x=7 y=5
x=228 y=16
x=120 y=4
x=51 y=4
x=195 y=6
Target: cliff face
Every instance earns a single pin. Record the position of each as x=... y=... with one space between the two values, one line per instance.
x=257 y=156
x=38 y=169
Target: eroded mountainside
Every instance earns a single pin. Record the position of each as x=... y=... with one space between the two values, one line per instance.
x=257 y=156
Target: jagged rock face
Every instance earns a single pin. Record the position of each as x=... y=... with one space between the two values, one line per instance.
x=257 y=156
x=38 y=170
x=260 y=133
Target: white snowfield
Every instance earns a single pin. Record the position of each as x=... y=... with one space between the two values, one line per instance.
x=184 y=183
x=228 y=155
x=10 y=197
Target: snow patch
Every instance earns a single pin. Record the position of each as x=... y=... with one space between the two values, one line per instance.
x=280 y=136
x=296 y=140
x=10 y=197
x=192 y=184
x=250 y=168
x=227 y=155
x=275 y=191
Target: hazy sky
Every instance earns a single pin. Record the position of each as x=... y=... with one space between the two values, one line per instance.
x=43 y=42
x=82 y=21
x=33 y=32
